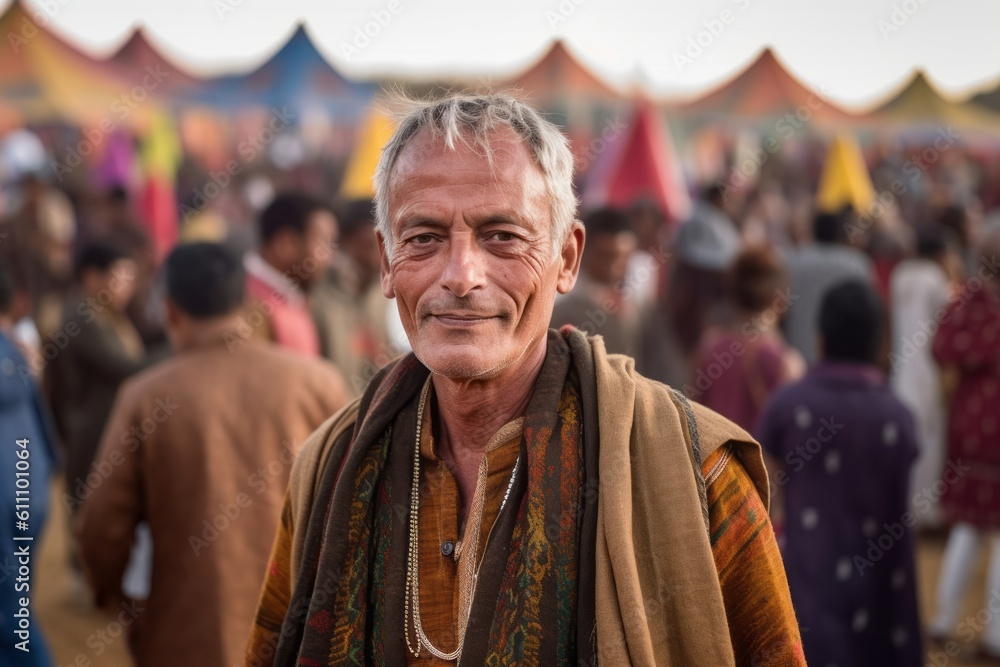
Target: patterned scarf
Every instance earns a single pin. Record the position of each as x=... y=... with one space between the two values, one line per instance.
x=534 y=600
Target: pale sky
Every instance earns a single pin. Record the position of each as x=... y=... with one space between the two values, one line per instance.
x=856 y=51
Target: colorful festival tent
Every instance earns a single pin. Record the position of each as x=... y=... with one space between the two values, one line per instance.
x=558 y=74
x=160 y=156
x=374 y=133
x=764 y=92
x=919 y=105
x=297 y=77
x=44 y=78
x=571 y=95
x=638 y=164
x=137 y=58
x=989 y=99
x=845 y=178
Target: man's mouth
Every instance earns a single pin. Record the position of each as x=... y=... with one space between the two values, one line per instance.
x=462 y=319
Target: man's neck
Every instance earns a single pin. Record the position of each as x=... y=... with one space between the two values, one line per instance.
x=194 y=334
x=470 y=412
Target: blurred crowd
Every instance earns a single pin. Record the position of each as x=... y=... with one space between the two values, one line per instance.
x=858 y=346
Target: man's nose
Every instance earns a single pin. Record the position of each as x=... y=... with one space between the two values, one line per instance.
x=464 y=269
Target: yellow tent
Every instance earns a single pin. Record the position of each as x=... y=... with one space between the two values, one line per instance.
x=918 y=103
x=375 y=132
x=845 y=179
x=43 y=77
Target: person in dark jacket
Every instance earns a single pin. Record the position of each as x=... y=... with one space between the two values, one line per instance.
x=94 y=350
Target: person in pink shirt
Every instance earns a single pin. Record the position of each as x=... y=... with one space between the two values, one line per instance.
x=297 y=238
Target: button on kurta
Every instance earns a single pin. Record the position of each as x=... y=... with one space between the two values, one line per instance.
x=447 y=548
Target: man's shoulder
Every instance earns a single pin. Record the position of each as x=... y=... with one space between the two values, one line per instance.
x=314 y=454
x=707 y=429
x=294 y=363
x=708 y=422
x=151 y=380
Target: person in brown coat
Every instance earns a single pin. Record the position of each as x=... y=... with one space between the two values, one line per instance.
x=200 y=447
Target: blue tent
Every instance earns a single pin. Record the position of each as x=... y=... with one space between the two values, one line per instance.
x=297 y=77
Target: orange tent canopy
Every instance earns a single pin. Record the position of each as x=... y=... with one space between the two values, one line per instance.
x=764 y=91
x=137 y=57
x=44 y=77
x=559 y=74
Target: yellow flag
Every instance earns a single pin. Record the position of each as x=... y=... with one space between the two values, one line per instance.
x=160 y=153
x=375 y=132
x=845 y=178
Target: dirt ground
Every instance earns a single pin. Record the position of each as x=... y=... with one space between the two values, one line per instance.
x=81 y=636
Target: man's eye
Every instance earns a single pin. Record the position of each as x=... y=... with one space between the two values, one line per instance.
x=422 y=239
x=503 y=236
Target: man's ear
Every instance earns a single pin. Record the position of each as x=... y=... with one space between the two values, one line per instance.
x=570 y=256
x=385 y=269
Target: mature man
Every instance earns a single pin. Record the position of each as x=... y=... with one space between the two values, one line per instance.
x=601 y=302
x=200 y=447
x=297 y=234
x=509 y=494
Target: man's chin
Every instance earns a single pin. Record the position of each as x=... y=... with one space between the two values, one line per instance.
x=460 y=361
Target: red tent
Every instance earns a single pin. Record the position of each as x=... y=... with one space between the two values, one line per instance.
x=639 y=164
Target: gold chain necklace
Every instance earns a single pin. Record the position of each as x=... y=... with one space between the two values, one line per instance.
x=413 y=559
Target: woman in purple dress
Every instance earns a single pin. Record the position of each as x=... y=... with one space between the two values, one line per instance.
x=841 y=446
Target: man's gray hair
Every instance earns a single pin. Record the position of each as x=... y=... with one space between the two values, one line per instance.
x=473 y=120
